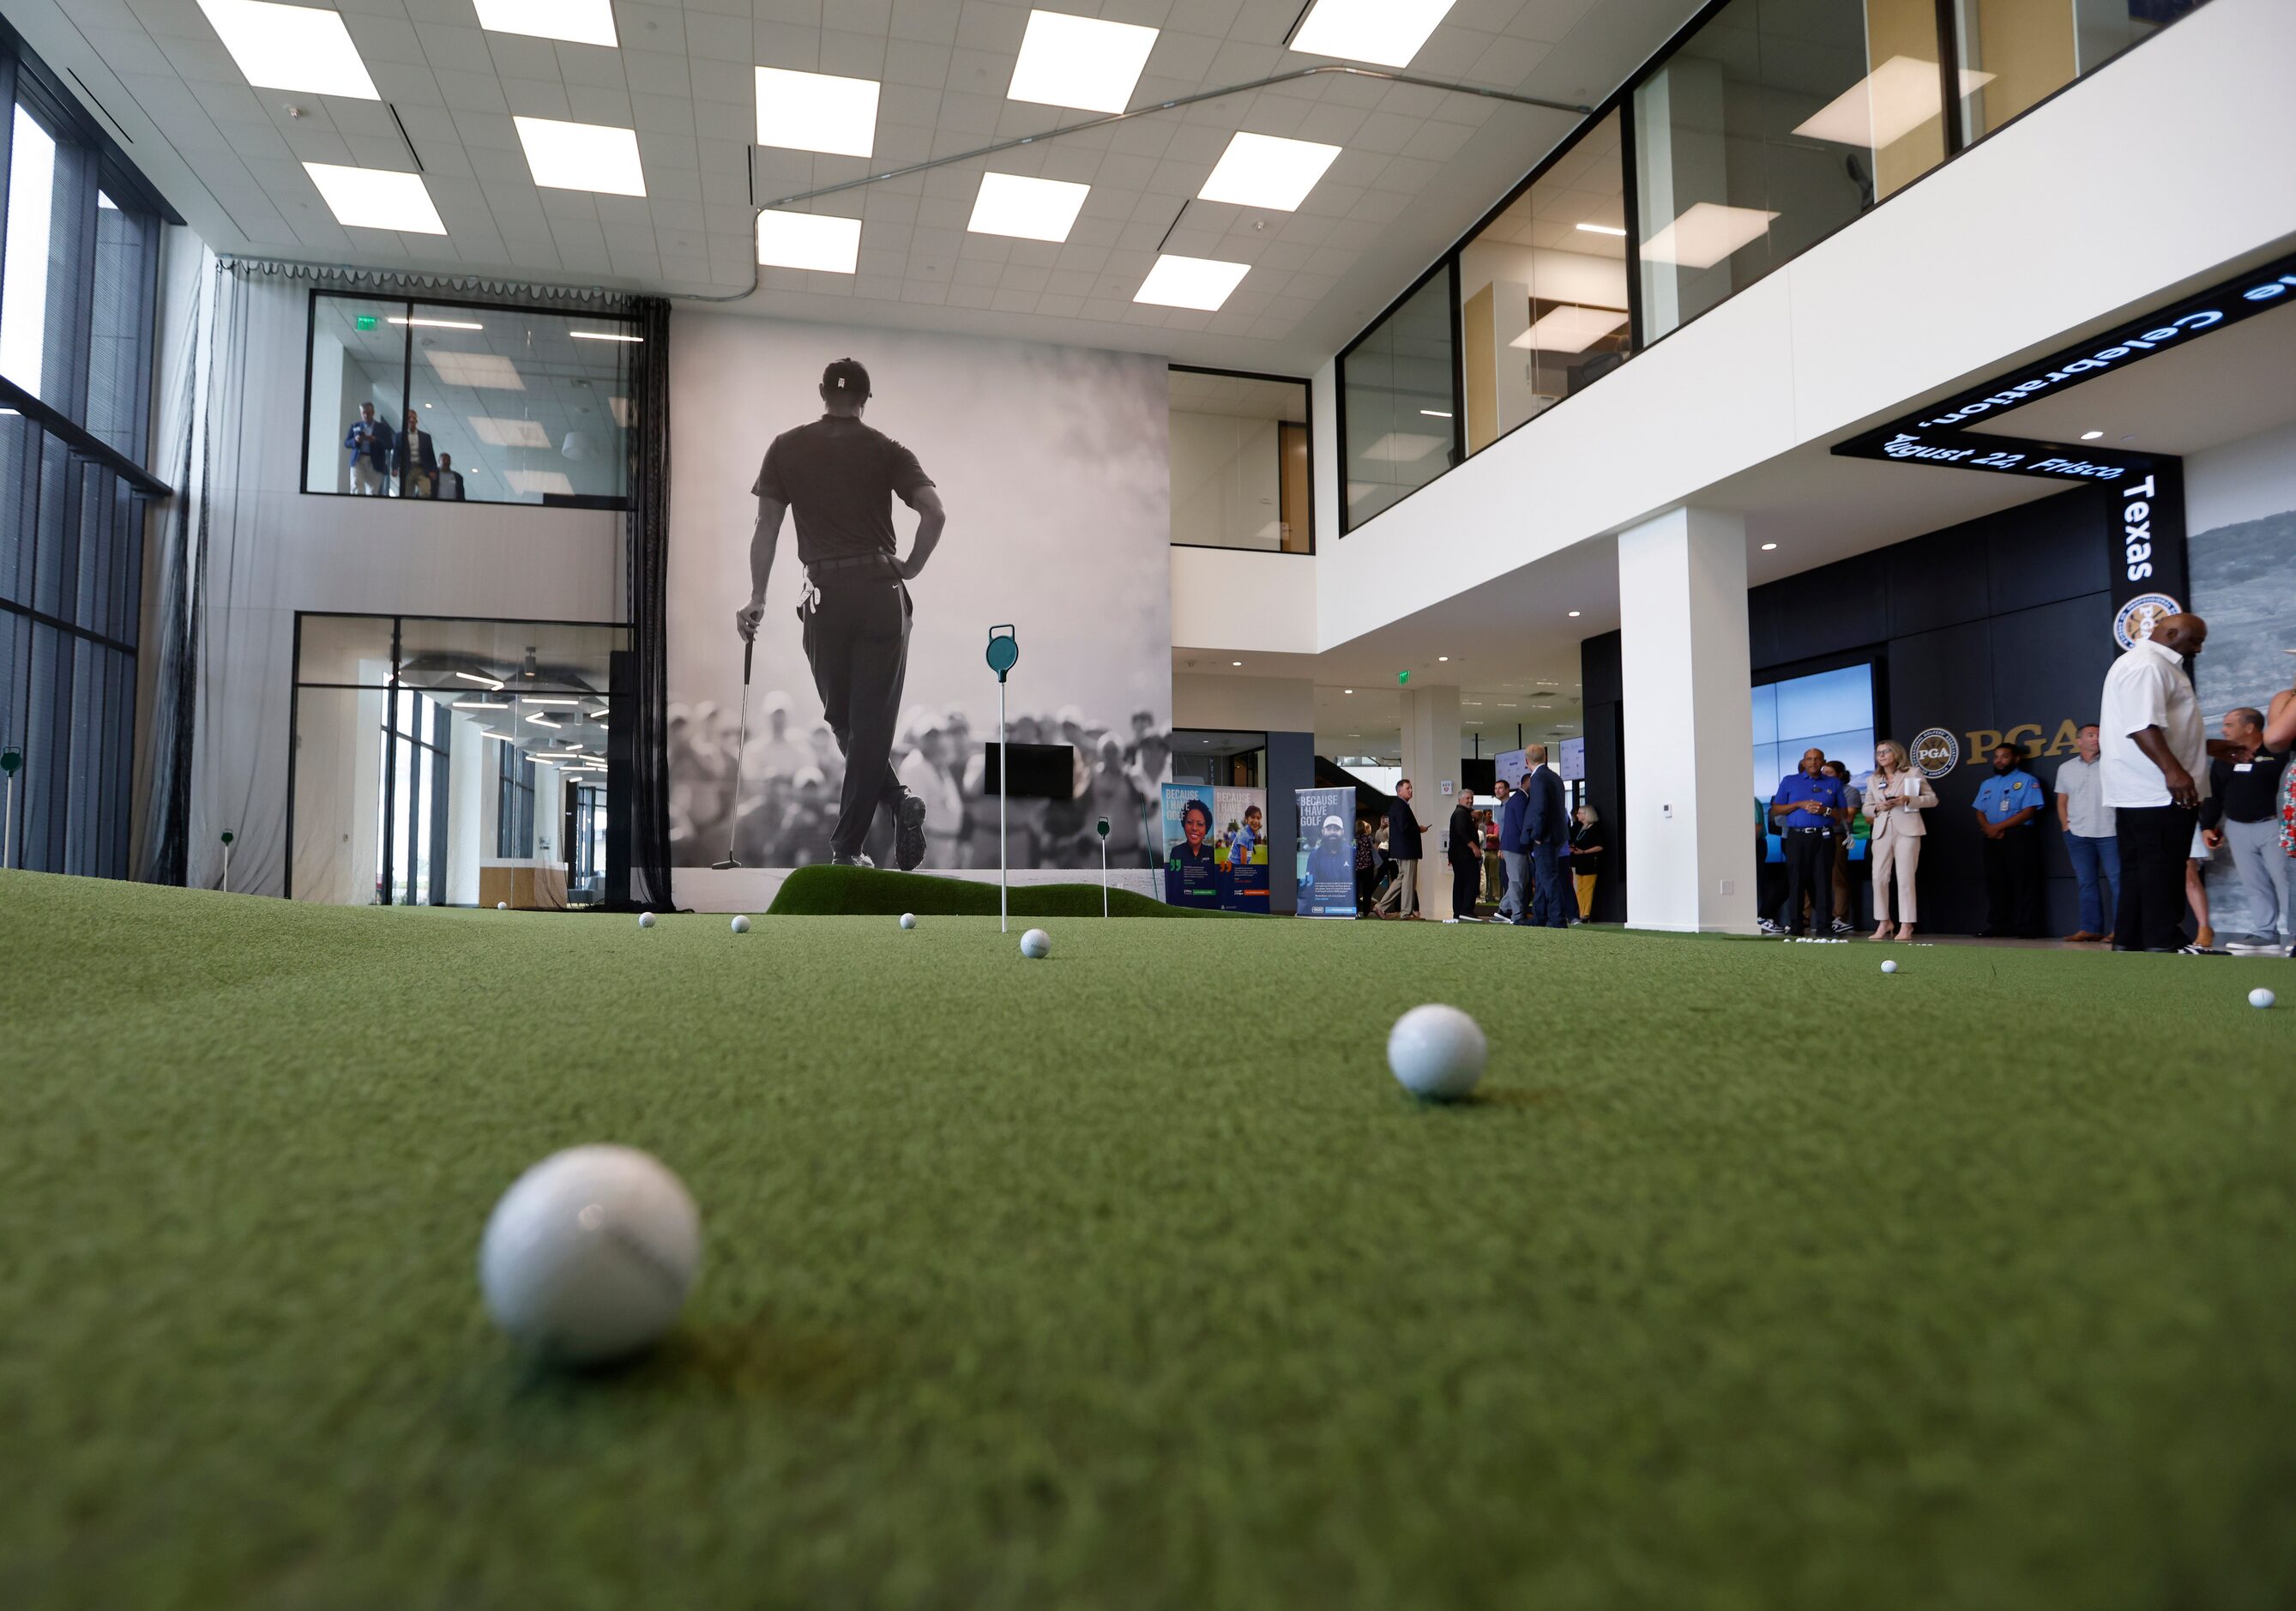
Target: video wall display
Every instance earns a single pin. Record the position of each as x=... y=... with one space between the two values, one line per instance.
x=1051 y=466
x=1832 y=712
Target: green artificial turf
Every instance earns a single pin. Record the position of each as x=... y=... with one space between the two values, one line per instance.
x=1754 y=1279
x=827 y=891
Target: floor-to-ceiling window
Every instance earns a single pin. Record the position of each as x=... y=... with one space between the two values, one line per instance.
x=78 y=286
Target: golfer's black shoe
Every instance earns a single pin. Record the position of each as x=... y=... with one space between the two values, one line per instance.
x=909 y=842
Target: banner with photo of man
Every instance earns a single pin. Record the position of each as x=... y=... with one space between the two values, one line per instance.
x=1192 y=870
x=1242 y=849
x=1327 y=853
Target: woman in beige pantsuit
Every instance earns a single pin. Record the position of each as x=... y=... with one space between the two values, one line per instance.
x=1896 y=795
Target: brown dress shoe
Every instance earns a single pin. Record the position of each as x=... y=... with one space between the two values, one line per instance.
x=2080 y=938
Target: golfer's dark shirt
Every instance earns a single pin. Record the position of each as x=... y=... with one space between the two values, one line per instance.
x=839 y=478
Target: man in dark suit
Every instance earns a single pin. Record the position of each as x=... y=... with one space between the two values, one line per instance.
x=1547 y=828
x=1403 y=831
x=1465 y=855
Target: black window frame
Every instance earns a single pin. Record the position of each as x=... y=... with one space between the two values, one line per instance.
x=1308 y=387
x=1954 y=118
x=620 y=503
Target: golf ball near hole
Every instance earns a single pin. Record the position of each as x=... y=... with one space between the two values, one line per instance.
x=1035 y=942
x=908 y=920
x=1438 y=1052
x=1890 y=967
x=590 y=1253
x=741 y=926
x=646 y=920
x=2260 y=997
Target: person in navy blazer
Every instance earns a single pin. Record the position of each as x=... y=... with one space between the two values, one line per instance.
x=1545 y=832
x=1514 y=854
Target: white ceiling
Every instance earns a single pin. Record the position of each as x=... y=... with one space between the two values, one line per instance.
x=1419 y=166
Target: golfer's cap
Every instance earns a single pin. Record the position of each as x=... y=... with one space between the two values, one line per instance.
x=846 y=374
x=1333 y=822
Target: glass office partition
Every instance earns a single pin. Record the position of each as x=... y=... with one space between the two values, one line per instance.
x=1543 y=307
x=2014 y=53
x=1240 y=463
x=1398 y=402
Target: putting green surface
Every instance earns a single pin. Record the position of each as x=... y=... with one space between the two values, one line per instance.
x=1755 y=1280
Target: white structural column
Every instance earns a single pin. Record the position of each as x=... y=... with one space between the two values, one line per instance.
x=1688 y=712
x=1430 y=760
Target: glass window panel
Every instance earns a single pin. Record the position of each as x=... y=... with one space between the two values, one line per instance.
x=358 y=390
x=354 y=649
x=525 y=407
x=1776 y=124
x=54 y=573
x=1543 y=291
x=31 y=254
x=20 y=443
x=2015 y=54
x=338 y=804
x=1396 y=391
x=1239 y=463
x=120 y=324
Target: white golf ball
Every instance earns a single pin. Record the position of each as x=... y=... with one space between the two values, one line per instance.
x=502 y=906
x=2260 y=997
x=1890 y=967
x=1437 y=1051
x=741 y=926
x=1035 y=942
x=908 y=920
x=590 y=1253
x=646 y=920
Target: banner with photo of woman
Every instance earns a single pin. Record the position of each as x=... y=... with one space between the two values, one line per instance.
x=1191 y=871
x=1241 y=851
x=1327 y=853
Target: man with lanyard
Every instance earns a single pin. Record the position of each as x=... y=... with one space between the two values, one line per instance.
x=2007 y=805
x=841 y=476
x=1810 y=809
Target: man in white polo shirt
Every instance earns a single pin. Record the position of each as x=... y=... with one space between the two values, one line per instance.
x=2154 y=764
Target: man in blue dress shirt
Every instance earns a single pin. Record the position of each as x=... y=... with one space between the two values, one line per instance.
x=2007 y=803
x=1808 y=810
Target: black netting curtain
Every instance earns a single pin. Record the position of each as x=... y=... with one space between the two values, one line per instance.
x=649 y=561
x=179 y=535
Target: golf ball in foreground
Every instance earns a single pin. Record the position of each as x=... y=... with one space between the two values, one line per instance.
x=590 y=1253
x=2260 y=997
x=741 y=926
x=502 y=906
x=908 y=920
x=1437 y=1051
x=646 y=920
x=1035 y=942
x=1890 y=967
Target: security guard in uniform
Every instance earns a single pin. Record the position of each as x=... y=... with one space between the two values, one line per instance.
x=840 y=477
x=2007 y=805
x=1808 y=808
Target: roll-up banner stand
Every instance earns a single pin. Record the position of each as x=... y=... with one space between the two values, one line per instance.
x=1191 y=874
x=1327 y=853
x=1241 y=815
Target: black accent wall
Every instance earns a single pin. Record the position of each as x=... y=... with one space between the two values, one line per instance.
x=1602 y=676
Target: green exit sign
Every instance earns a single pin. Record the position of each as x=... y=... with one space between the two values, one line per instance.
x=1402 y=677
x=365 y=321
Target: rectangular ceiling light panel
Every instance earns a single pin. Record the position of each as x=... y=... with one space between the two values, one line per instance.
x=371 y=198
x=295 y=47
x=808 y=240
x=510 y=433
x=1570 y=329
x=1389 y=32
x=816 y=111
x=1706 y=234
x=582 y=156
x=479 y=371
x=1080 y=62
x=1026 y=210
x=576 y=21
x=1199 y=283
x=1261 y=170
x=538 y=483
x=1883 y=108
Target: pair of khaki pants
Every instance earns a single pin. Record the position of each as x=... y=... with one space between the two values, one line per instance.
x=1904 y=852
x=1406 y=887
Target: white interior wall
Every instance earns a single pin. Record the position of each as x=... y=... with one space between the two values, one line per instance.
x=2116 y=190
x=1265 y=704
x=273 y=550
x=2243 y=481
x=1225 y=474
x=470 y=779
